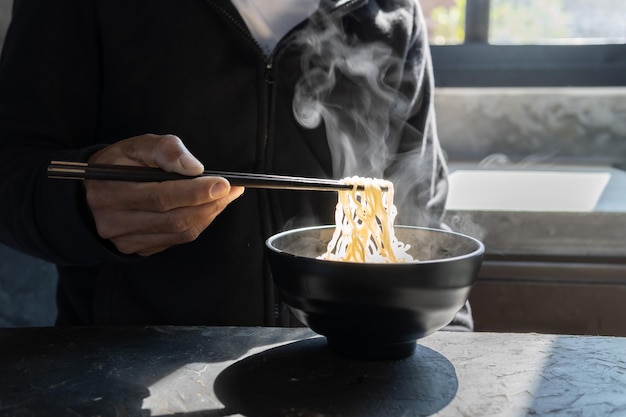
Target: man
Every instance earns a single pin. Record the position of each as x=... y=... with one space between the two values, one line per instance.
x=337 y=88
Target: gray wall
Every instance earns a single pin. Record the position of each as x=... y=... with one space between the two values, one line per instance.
x=542 y=125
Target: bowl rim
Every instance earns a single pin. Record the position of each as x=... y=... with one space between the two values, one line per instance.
x=480 y=250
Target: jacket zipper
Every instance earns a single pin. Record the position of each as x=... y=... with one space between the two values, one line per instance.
x=269 y=89
x=338 y=11
x=269 y=79
x=273 y=316
x=269 y=64
x=236 y=23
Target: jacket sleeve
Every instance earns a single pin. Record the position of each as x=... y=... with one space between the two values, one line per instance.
x=421 y=170
x=49 y=93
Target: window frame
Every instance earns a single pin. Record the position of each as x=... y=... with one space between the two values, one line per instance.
x=476 y=63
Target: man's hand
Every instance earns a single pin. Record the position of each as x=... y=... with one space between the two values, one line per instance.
x=147 y=218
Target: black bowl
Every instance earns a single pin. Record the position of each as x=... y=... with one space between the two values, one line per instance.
x=375 y=310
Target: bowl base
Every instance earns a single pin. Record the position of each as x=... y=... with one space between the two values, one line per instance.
x=381 y=351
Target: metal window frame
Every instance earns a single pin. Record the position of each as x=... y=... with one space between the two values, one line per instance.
x=476 y=63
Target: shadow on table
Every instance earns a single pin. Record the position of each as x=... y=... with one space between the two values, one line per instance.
x=109 y=371
x=167 y=371
x=304 y=378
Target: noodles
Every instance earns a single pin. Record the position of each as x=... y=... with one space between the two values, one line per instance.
x=364 y=219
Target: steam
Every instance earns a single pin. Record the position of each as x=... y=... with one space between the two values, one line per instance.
x=365 y=115
x=357 y=117
x=500 y=160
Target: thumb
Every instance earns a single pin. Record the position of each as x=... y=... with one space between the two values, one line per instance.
x=189 y=164
x=164 y=151
x=171 y=154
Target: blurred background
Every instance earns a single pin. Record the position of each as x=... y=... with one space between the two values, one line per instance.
x=530 y=22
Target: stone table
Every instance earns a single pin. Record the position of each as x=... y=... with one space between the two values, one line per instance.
x=228 y=371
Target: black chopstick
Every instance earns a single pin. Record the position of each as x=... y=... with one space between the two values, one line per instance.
x=84 y=171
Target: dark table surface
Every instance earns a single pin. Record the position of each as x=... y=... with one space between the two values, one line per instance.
x=209 y=371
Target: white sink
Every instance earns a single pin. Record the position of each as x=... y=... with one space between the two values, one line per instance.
x=526 y=190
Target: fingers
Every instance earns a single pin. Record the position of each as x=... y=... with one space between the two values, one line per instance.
x=168 y=153
x=146 y=218
x=163 y=151
x=114 y=220
x=175 y=230
x=156 y=196
x=145 y=232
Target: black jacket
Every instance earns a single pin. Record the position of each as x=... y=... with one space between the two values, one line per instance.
x=76 y=75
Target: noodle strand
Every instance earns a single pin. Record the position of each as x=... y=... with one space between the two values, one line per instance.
x=364 y=218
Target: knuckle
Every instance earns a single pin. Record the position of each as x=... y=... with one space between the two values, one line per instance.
x=171 y=144
x=124 y=246
x=202 y=192
x=170 y=140
x=160 y=200
x=188 y=228
x=189 y=235
x=219 y=206
x=178 y=222
x=103 y=232
x=95 y=199
x=104 y=227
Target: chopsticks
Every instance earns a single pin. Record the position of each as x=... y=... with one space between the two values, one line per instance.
x=84 y=171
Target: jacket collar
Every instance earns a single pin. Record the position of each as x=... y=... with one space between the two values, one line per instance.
x=334 y=8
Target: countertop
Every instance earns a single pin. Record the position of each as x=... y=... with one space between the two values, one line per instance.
x=228 y=371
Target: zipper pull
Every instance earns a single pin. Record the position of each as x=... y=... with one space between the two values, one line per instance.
x=269 y=71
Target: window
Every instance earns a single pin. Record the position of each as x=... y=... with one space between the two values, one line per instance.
x=481 y=43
